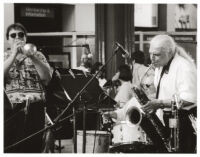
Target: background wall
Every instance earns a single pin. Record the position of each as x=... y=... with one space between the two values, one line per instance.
x=81 y=18
x=8 y=19
x=84 y=17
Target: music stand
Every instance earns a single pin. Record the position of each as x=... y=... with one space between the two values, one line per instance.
x=92 y=98
x=83 y=89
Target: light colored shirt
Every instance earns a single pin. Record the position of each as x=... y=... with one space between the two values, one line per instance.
x=138 y=73
x=124 y=93
x=181 y=79
x=84 y=69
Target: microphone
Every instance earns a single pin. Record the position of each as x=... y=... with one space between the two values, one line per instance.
x=87 y=47
x=125 y=53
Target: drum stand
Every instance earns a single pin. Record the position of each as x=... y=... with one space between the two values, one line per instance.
x=74 y=130
x=84 y=128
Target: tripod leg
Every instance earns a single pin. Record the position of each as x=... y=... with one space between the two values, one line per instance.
x=74 y=131
x=84 y=129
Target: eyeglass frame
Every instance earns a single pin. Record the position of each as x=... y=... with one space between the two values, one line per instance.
x=17 y=34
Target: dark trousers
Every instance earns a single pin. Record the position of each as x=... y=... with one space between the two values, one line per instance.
x=187 y=138
x=20 y=125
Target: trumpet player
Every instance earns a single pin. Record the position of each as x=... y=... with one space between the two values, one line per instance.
x=175 y=73
x=26 y=73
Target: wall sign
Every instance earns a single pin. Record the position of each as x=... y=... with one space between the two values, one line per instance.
x=42 y=12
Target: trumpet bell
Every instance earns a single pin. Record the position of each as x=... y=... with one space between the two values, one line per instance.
x=30 y=47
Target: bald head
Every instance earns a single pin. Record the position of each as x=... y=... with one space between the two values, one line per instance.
x=162 y=48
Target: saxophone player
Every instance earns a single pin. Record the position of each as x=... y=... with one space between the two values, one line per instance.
x=175 y=73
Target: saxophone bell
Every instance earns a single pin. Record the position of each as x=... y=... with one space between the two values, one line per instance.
x=133 y=116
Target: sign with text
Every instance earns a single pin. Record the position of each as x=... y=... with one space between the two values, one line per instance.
x=42 y=12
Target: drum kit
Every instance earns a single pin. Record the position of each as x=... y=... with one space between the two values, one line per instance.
x=128 y=136
x=118 y=137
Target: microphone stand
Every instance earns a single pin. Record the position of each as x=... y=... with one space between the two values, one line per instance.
x=80 y=93
x=37 y=133
x=84 y=125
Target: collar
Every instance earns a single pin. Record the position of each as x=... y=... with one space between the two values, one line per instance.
x=166 y=67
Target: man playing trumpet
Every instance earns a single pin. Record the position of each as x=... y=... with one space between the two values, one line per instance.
x=26 y=72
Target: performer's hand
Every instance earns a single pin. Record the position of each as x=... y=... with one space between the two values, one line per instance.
x=152 y=106
x=18 y=46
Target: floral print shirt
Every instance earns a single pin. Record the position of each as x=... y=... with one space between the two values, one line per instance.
x=23 y=81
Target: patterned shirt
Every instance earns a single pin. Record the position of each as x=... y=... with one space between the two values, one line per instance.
x=23 y=81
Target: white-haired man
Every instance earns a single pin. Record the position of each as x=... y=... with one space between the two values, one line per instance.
x=175 y=74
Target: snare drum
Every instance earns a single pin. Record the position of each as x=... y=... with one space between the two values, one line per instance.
x=123 y=133
x=130 y=139
x=96 y=141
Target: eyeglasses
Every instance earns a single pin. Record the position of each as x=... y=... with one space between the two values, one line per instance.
x=20 y=35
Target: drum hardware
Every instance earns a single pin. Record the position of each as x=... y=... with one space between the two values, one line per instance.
x=97 y=141
x=106 y=124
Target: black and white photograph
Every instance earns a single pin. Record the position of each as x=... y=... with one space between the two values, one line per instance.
x=99 y=77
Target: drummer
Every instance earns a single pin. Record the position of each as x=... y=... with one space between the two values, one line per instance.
x=124 y=91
